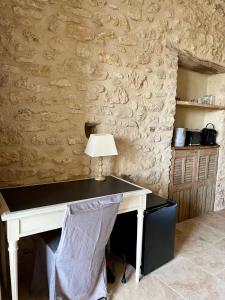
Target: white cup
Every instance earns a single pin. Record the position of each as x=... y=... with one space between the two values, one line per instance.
x=180 y=135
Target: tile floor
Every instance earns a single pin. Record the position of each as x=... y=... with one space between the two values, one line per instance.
x=196 y=273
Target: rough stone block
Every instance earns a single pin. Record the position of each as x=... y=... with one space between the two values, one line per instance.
x=79 y=33
x=117 y=95
x=111 y=59
x=30 y=13
x=61 y=83
x=135 y=80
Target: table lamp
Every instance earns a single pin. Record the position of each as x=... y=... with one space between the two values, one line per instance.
x=100 y=145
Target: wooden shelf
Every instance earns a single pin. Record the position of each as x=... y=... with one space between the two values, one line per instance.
x=195 y=147
x=198 y=105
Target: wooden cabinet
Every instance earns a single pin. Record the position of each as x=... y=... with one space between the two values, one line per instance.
x=193 y=180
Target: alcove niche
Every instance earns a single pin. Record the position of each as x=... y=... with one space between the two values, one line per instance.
x=193 y=171
x=197 y=78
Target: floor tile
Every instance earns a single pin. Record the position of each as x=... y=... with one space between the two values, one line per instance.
x=211 y=260
x=191 y=281
x=149 y=287
x=198 y=230
x=221 y=212
x=220 y=245
x=188 y=246
x=222 y=276
x=157 y=290
x=214 y=220
x=214 y=289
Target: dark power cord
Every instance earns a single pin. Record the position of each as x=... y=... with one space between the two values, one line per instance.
x=123 y=280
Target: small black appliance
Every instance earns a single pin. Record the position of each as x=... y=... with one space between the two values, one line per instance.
x=193 y=137
x=208 y=135
x=158 y=234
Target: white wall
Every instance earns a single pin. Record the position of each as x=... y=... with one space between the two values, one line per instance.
x=189 y=118
x=191 y=84
x=216 y=86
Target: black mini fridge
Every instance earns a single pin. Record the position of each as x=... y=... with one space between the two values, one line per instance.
x=158 y=234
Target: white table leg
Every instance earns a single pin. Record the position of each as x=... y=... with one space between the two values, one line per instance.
x=13 y=263
x=140 y=217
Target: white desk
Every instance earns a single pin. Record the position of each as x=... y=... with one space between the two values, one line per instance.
x=27 y=221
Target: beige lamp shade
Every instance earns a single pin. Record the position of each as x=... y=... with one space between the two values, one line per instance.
x=101 y=145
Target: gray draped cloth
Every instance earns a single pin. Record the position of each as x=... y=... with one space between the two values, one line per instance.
x=73 y=262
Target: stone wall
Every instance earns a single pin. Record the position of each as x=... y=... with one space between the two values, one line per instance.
x=216 y=86
x=66 y=62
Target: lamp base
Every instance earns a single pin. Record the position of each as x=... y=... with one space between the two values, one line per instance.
x=100 y=178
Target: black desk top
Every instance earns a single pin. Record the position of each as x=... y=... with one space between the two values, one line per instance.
x=28 y=197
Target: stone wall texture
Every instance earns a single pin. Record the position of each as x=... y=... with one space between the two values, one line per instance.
x=66 y=62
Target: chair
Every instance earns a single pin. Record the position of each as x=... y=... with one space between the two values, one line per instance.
x=72 y=262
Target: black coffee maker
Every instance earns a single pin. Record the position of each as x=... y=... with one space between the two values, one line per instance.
x=208 y=135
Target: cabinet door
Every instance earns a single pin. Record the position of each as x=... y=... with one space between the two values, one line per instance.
x=183 y=168
x=193 y=181
x=183 y=199
x=204 y=195
x=203 y=199
x=207 y=164
x=182 y=177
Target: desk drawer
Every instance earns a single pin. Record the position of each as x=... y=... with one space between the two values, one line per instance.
x=51 y=220
x=132 y=203
x=41 y=222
